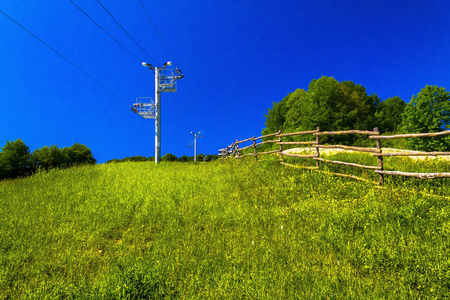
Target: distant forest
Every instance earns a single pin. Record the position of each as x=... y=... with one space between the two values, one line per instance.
x=334 y=106
x=16 y=160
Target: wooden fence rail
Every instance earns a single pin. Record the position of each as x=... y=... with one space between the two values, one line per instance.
x=234 y=150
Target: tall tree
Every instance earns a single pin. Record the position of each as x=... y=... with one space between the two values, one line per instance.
x=389 y=115
x=79 y=154
x=298 y=104
x=328 y=103
x=429 y=111
x=15 y=160
x=47 y=158
x=276 y=116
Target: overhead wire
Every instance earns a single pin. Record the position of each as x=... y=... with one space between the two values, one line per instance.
x=66 y=59
x=176 y=116
x=134 y=55
x=179 y=112
x=171 y=55
x=126 y=32
x=156 y=29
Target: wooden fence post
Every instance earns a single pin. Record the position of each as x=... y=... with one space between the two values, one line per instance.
x=255 y=153
x=317 y=148
x=281 y=146
x=237 y=148
x=380 y=158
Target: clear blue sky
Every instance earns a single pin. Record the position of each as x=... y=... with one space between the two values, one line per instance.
x=237 y=57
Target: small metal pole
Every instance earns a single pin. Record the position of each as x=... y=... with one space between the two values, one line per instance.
x=196 y=135
x=195 y=147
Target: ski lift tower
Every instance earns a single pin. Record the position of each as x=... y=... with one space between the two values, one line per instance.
x=196 y=135
x=165 y=81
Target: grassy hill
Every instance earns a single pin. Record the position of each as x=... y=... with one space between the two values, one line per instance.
x=218 y=231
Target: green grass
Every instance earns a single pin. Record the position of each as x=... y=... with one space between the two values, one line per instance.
x=218 y=231
x=405 y=164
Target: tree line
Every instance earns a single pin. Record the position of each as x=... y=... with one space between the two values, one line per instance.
x=16 y=160
x=167 y=157
x=334 y=106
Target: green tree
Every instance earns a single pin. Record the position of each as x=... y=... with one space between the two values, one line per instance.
x=47 y=158
x=298 y=104
x=79 y=154
x=212 y=157
x=276 y=116
x=169 y=157
x=429 y=111
x=340 y=106
x=114 y=160
x=200 y=157
x=15 y=160
x=389 y=114
x=329 y=104
x=184 y=158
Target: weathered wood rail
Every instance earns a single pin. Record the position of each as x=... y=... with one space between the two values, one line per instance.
x=234 y=150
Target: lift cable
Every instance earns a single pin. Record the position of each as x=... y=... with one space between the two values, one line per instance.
x=180 y=120
x=66 y=59
x=140 y=59
x=171 y=55
x=156 y=29
x=126 y=32
x=179 y=113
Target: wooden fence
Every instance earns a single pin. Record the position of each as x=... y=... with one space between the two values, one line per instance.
x=377 y=151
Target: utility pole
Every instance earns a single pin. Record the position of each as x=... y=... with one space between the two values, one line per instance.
x=165 y=81
x=196 y=135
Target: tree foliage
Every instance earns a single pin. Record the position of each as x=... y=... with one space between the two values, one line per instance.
x=185 y=158
x=169 y=157
x=49 y=157
x=335 y=106
x=428 y=111
x=276 y=116
x=328 y=104
x=79 y=154
x=53 y=157
x=17 y=161
x=389 y=114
